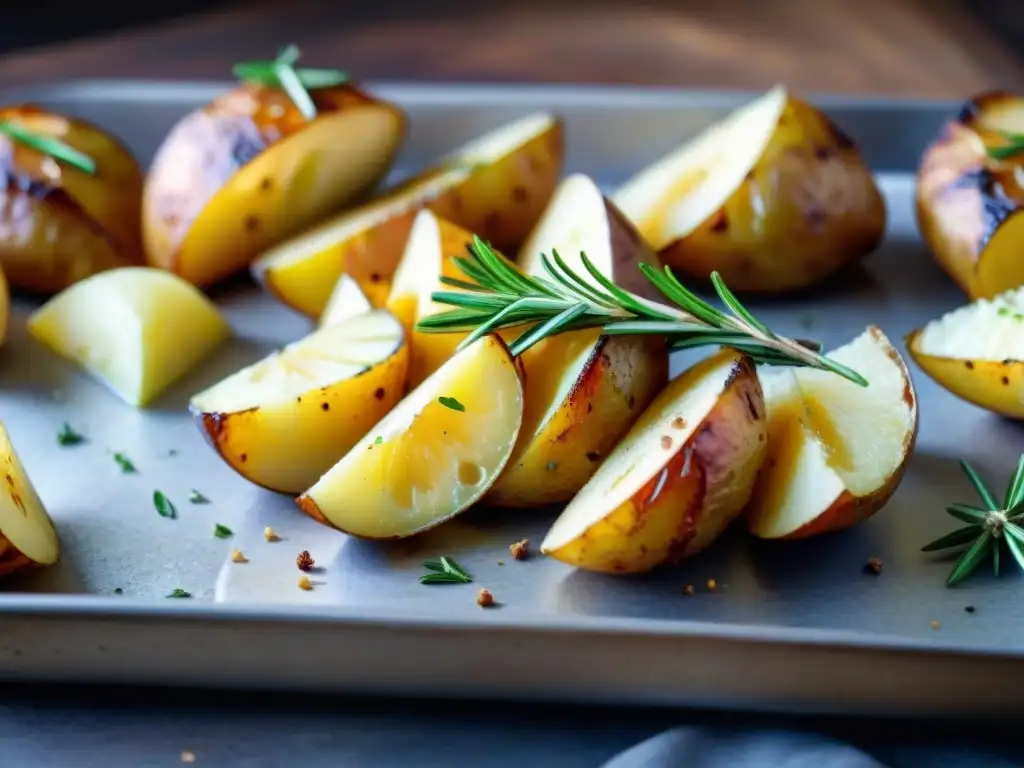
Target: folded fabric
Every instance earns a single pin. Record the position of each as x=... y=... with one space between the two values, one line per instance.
x=695 y=747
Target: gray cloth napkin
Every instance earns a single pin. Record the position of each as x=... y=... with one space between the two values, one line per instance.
x=693 y=747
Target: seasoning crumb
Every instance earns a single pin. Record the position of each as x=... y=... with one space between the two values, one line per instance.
x=238 y=557
x=520 y=550
x=485 y=599
x=688 y=590
x=501 y=562
x=305 y=583
x=666 y=442
x=188 y=757
x=270 y=534
x=935 y=624
x=969 y=609
x=305 y=561
x=873 y=565
x=712 y=584
x=678 y=422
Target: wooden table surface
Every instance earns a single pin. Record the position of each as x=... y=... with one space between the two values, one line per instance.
x=912 y=48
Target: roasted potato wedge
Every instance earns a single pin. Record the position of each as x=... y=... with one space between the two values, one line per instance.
x=583 y=391
x=496 y=186
x=249 y=170
x=977 y=352
x=968 y=199
x=286 y=420
x=59 y=223
x=433 y=455
x=124 y=327
x=677 y=479
x=27 y=535
x=836 y=451
x=775 y=198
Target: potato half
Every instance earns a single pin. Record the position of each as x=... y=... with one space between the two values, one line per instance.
x=59 y=224
x=977 y=352
x=427 y=257
x=27 y=535
x=836 y=451
x=775 y=198
x=249 y=170
x=284 y=421
x=677 y=479
x=496 y=186
x=136 y=329
x=432 y=456
x=583 y=390
x=967 y=201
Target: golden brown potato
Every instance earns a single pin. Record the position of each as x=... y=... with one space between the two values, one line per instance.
x=775 y=198
x=676 y=480
x=60 y=224
x=249 y=170
x=968 y=201
x=495 y=186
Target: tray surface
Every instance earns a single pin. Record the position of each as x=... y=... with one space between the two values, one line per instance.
x=814 y=590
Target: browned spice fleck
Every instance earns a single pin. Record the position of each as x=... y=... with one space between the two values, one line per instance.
x=379 y=393
x=688 y=590
x=712 y=584
x=485 y=599
x=251 y=223
x=873 y=565
x=593 y=456
x=1006 y=381
x=666 y=442
x=325 y=406
x=968 y=365
x=305 y=583
x=520 y=550
x=935 y=624
x=678 y=422
x=305 y=561
x=969 y=609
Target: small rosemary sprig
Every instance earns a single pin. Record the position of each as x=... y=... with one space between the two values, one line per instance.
x=49 y=145
x=297 y=82
x=1014 y=146
x=444 y=570
x=497 y=295
x=987 y=526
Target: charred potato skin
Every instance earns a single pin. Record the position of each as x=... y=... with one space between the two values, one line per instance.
x=59 y=224
x=214 y=143
x=963 y=196
x=807 y=209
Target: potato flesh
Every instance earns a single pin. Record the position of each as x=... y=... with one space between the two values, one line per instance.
x=495 y=186
x=124 y=326
x=27 y=535
x=683 y=471
x=347 y=300
x=432 y=461
x=286 y=420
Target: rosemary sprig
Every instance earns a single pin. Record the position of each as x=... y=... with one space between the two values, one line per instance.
x=497 y=295
x=444 y=570
x=1014 y=146
x=49 y=145
x=297 y=82
x=987 y=526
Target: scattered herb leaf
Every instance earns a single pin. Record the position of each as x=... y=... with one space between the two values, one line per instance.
x=222 y=531
x=179 y=592
x=49 y=145
x=163 y=505
x=444 y=570
x=296 y=82
x=68 y=436
x=987 y=527
x=379 y=440
x=451 y=402
x=195 y=497
x=126 y=465
x=1014 y=146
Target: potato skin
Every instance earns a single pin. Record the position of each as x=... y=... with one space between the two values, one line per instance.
x=59 y=225
x=807 y=209
x=967 y=202
x=704 y=485
x=205 y=151
x=287 y=447
x=622 y=375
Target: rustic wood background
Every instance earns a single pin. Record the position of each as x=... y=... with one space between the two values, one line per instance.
x=912 y=48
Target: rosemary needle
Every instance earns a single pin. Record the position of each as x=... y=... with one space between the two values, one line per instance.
x=497 y=295
x=297 y=82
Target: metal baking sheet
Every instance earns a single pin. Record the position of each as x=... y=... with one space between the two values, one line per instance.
x=792 y=626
